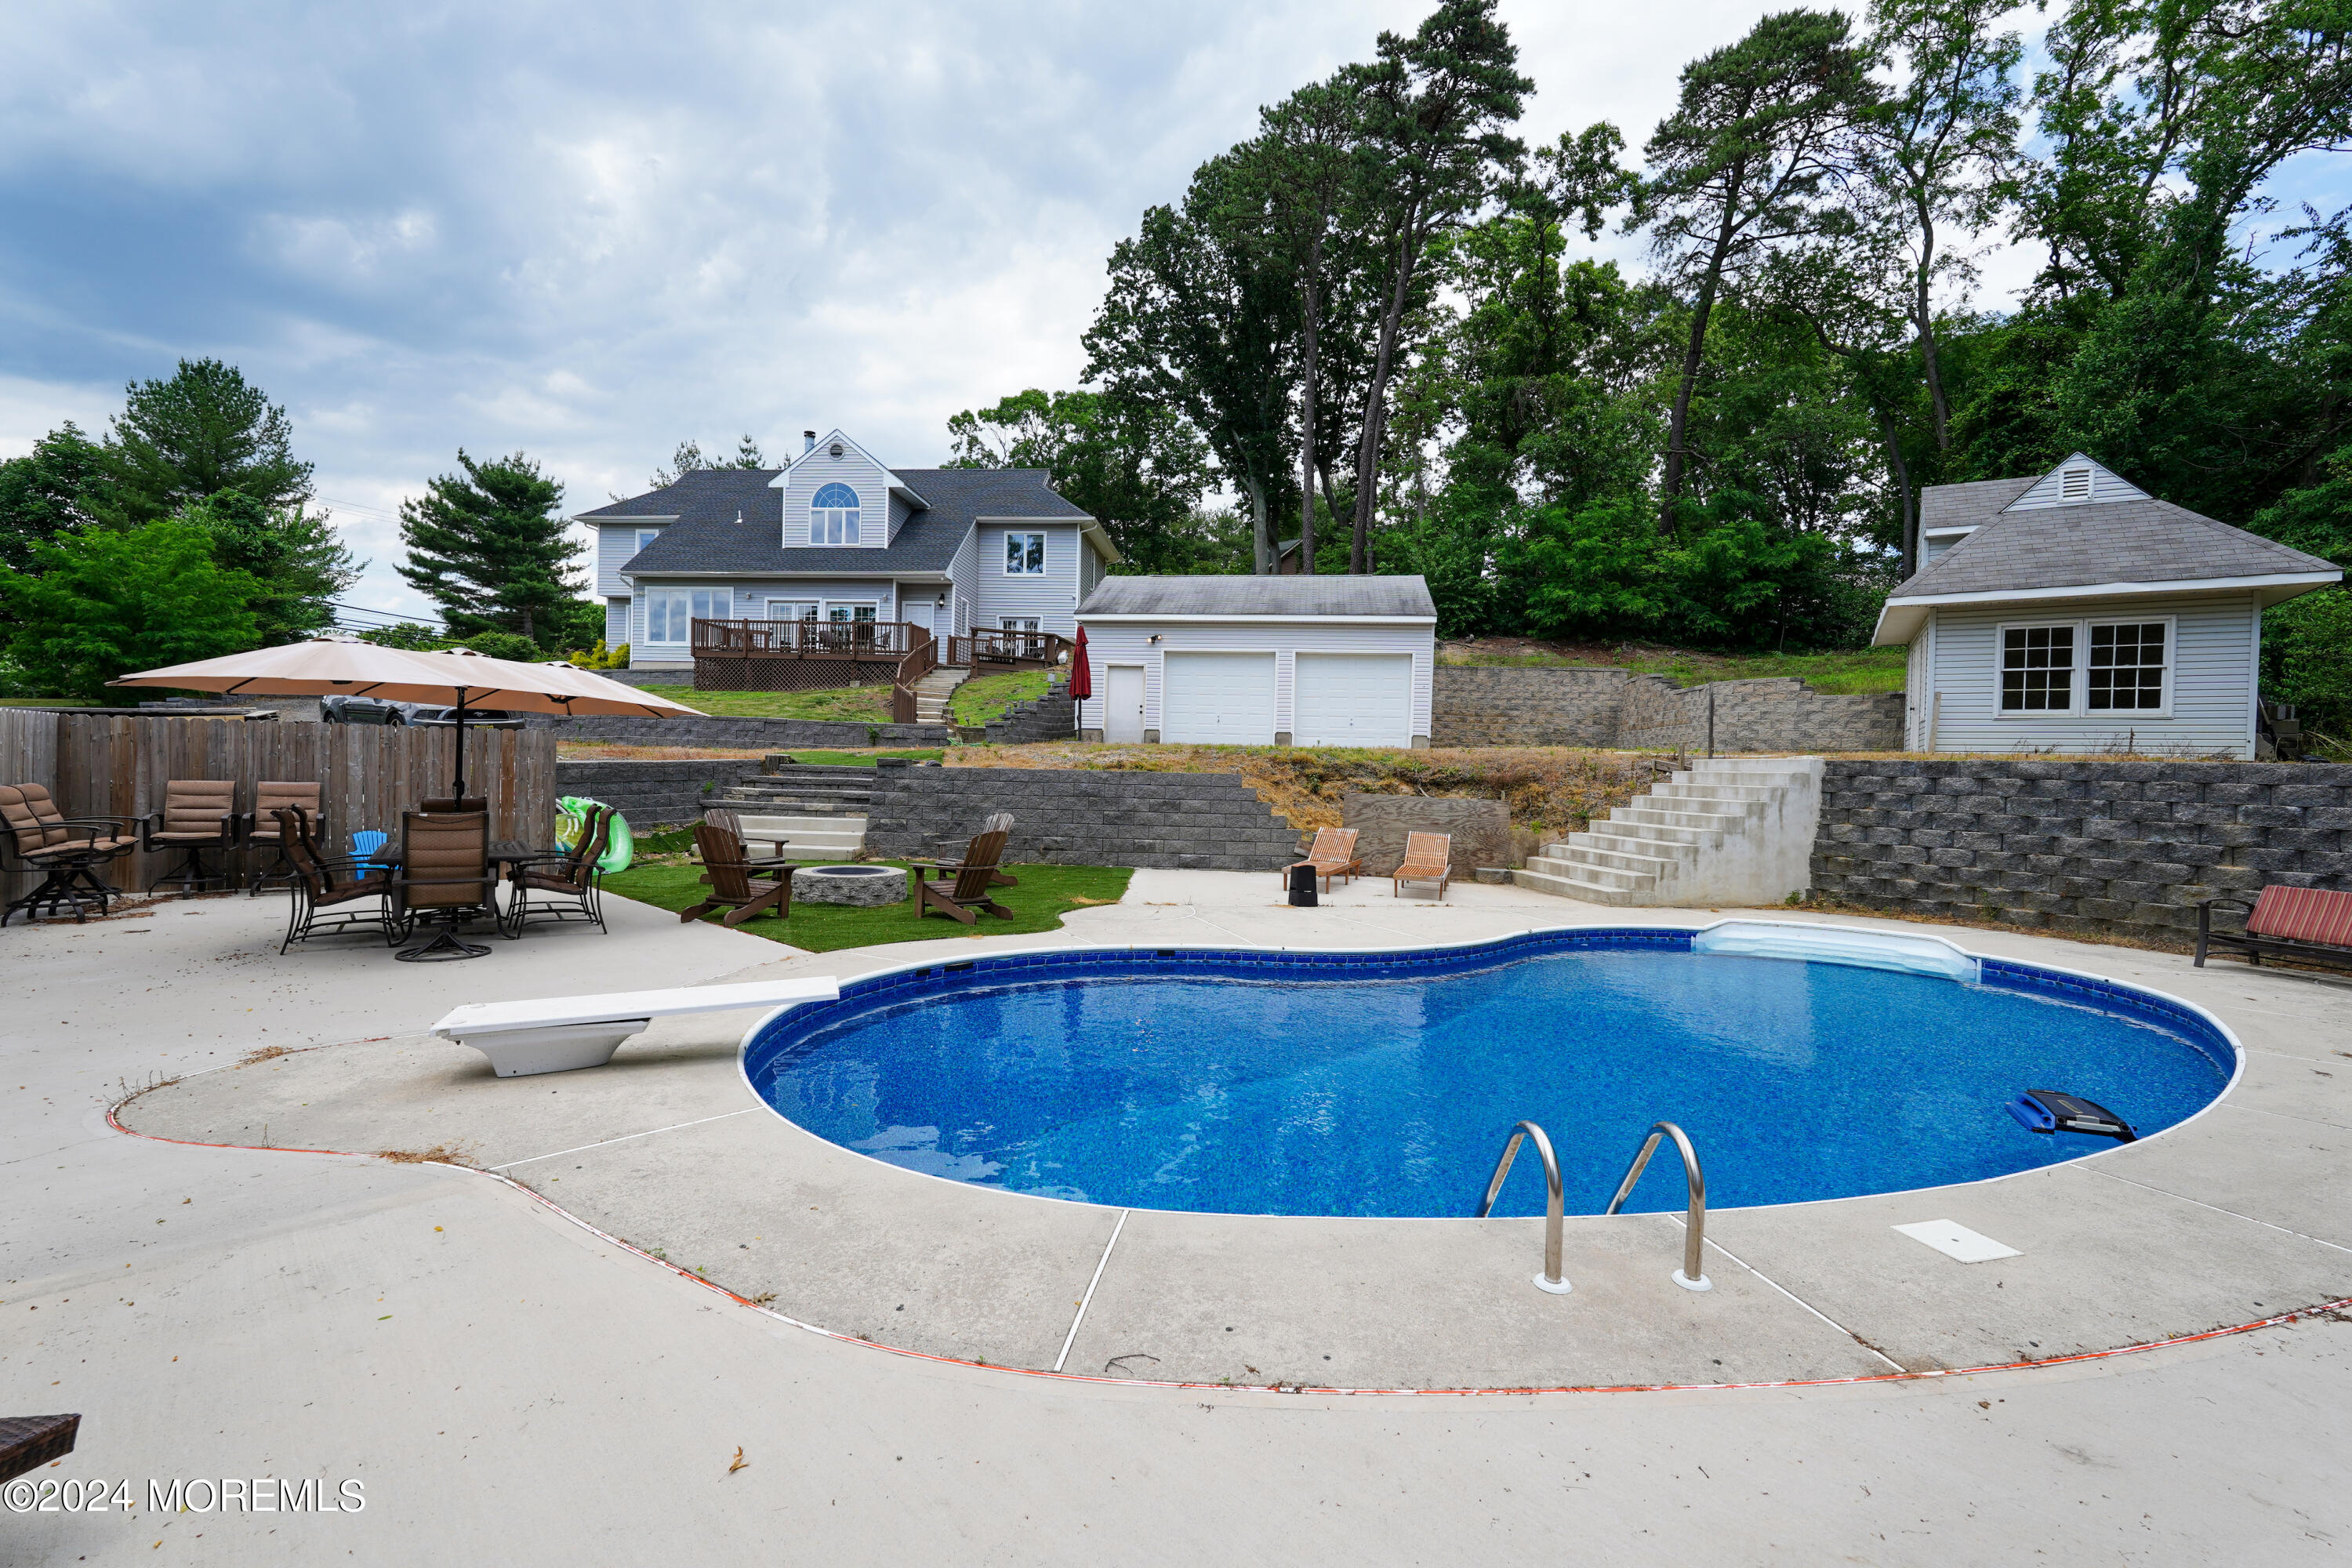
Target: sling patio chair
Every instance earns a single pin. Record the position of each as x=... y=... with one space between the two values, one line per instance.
x=562 y=887
x=966 y=894
x=198 y=815
x=1428 y=857
x=66 y=850
x=448 y=806
x=1333 y=854
x=2305 y=925
x=332 y=895
x=260 y=832
x=734 y=878
x=443 y=877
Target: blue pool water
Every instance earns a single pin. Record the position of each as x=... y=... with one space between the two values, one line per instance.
x=1277 y=1084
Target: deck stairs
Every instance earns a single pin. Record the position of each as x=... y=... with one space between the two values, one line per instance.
x=821 y=809
x=1735 y=830
x=932 y=692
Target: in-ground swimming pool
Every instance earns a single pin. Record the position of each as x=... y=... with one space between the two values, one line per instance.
x=1383 y=1084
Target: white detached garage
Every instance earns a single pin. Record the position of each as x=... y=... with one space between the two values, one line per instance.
x=1260 y=661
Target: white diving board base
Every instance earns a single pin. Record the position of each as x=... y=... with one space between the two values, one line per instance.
x=562 y=1034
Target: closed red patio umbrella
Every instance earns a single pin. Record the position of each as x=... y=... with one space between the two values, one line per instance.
x=1082 y=680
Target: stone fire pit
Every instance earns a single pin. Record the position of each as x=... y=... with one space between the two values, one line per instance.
x=865 y=886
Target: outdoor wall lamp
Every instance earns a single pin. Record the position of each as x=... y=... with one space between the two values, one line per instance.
x=1153 y=637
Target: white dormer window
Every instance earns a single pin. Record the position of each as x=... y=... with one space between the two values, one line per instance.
x=2074 y=484
x=833 y=516
x=645 y=536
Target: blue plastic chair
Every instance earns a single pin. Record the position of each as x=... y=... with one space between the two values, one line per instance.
x=366 y=844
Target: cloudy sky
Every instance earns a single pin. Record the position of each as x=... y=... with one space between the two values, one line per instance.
x=588 y=230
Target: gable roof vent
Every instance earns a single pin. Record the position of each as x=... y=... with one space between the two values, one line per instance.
x=835 y=450
x=2074 y=484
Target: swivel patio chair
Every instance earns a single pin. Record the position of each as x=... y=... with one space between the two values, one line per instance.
x=66 y=851
x=198 y=815
x=734 y=878
x=261 y=833
x=443 y=878
x=964 y=896
x=330 y=893
x=564 y=887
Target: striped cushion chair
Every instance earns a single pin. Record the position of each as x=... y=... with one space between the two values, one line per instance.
x=2308 y=924
x=198 y=815
x=66 y=850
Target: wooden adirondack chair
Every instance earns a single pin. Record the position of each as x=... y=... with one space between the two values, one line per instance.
x=966 y=894
x=734 y=875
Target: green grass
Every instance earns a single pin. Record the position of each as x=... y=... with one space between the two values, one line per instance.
x=1046 y=893
x=862 y=759
x=848 y=704
x=984 y=701
x=1867 y=670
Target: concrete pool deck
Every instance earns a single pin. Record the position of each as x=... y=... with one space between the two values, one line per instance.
x=508 y=1388
x=2232 y=1218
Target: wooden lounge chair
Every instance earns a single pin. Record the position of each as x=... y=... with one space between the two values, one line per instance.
x=1428 y=857
x=964 y=895
x=1333 y=854
x=734 y=878
x=198 y=815
x=561 y=886
x=444 y=877
x=2309 y=925
x=260 y=830
x=331 y=894
x=66 y=850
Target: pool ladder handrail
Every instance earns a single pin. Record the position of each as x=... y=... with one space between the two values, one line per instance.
x=1692 y=1275
x=1550 y=1279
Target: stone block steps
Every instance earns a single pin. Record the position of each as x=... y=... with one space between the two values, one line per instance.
x=932 y=692
x=1702 y=837
x=802 y=789
x=804 y=837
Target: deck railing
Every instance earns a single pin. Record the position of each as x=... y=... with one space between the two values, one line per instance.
x=806 y=639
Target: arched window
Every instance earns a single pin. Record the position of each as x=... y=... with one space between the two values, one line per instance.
x=833 y=516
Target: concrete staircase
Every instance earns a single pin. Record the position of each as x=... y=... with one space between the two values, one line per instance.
x=1737 y=831
x=931 y=694
x=821 y=809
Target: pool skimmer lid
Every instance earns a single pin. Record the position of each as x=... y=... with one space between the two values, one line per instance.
x=1957 y=1242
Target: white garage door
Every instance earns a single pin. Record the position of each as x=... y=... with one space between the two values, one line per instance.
x=1217 y=699
x=1355 y=699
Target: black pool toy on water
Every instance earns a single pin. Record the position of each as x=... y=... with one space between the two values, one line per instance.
x=2047 y=1110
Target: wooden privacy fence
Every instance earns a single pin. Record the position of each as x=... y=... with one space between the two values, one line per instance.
x=104 y=766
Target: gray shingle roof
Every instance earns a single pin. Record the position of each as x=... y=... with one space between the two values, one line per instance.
x=2117 y=541
x=1316 y=595
x=1969 y=505
x=707 y=536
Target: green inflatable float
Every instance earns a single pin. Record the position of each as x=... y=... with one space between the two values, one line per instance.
x=619 y=847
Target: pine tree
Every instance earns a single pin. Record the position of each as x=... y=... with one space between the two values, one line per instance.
x=203 y=431
x=488 y=546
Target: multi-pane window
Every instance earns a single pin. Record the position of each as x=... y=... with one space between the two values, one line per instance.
x=670 y=612
x=2126 y=669
x=1024 y=555
x=1017 y=622
x=832 y=515
x=849 y=611
x=2037 y=669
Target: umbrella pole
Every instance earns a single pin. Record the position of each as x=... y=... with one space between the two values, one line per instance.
x=457 y=791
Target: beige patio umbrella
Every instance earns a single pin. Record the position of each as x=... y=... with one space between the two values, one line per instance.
x=461 y=680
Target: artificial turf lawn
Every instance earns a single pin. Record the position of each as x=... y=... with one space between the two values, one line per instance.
x=1045 y=895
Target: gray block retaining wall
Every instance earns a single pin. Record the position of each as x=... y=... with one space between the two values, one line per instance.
x=762 y=734
x=1077 y=817
x=2121 y=847
x=1510 y=705
x=653 y=794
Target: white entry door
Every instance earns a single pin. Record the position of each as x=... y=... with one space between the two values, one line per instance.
x=1217 y=699
x=916 y=612
x=1354 y=699
x=1123 y=702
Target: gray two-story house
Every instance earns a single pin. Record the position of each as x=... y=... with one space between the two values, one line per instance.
x=840 y=537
